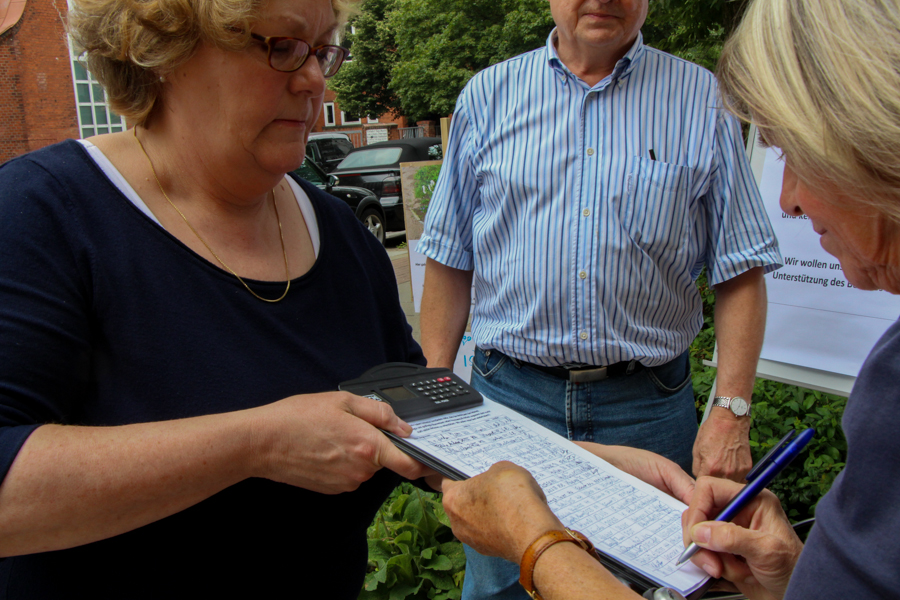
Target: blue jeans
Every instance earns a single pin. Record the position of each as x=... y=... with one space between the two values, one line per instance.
x=651 y=409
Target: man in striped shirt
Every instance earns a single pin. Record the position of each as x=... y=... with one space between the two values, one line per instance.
x=584 y=187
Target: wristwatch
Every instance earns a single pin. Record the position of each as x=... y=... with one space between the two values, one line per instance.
x=737 y=405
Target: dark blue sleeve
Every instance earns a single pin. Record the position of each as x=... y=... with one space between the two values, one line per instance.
x=44 y=328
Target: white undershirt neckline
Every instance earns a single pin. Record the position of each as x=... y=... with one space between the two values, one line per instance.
x=111 y=172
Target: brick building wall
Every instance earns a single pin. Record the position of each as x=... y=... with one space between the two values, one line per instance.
x=37 y=103
x=391 y=120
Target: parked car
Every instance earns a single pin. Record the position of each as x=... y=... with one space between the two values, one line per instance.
x=377 y=167
x=328 y=149
x=363 y=202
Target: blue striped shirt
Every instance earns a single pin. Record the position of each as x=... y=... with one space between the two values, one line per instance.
x=587 y=213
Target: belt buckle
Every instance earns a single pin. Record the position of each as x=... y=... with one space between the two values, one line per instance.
x=587 y=375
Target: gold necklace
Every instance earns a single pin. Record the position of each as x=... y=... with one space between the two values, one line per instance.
x=222 y=262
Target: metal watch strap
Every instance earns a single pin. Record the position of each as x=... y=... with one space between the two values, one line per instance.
x=725 y=402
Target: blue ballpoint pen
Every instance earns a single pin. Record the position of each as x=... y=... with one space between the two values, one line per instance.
x=761 y=476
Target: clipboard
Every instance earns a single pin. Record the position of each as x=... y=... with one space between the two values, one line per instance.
x=406 y=388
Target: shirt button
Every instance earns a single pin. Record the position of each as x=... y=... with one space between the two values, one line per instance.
x=583 y=335
x=583 y=275
x=590 y=151
x=586 y=212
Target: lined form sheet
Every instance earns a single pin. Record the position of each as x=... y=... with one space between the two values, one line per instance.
x=624 y=517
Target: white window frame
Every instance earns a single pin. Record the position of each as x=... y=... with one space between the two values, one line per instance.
x=91 y=105
x=371 y=120
x=330 y=122
x=344 y=120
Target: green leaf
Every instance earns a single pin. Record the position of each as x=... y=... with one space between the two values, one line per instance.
x=441 y=580
x=438 y=563
x=403 y=590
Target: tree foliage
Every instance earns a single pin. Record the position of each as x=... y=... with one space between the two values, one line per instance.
x=692 y=29
x=414 y=56
x=362 y=83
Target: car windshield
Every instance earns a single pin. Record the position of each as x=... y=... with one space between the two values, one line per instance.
x=376 y=157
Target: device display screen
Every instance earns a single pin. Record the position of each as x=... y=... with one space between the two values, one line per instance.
x=399 y=393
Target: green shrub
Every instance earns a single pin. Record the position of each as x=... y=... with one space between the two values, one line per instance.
x=412 y=552
x=777 y=408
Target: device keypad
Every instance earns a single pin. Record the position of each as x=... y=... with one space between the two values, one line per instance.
x=439 y=388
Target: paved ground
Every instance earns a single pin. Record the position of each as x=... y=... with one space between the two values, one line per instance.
x=400 y=259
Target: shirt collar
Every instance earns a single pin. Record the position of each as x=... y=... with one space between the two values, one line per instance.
x=622 y=69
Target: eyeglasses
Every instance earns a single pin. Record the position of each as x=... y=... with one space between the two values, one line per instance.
x=288 y=54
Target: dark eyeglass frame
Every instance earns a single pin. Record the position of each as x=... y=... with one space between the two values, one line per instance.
x=270 y=41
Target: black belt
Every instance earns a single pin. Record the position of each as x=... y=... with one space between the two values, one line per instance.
x=589 y=374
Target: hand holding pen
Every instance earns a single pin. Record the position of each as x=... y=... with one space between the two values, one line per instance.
x=759 y=477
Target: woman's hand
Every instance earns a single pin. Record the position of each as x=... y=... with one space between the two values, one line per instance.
x=757 y=551
x=330 y=442
x=660 y=472
x=500 y=512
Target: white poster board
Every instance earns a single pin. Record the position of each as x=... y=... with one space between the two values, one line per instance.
x=819 y=329
x=816 y=318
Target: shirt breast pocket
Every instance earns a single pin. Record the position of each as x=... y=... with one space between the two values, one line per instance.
x=655 y=207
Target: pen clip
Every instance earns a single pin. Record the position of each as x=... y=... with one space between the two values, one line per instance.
x=764 y=462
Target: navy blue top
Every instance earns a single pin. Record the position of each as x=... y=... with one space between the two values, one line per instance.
x=107 y=319
x=853 y=550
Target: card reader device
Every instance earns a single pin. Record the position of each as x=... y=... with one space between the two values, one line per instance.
x=414 y=391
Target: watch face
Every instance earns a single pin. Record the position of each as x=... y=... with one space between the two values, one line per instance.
x=739 y=406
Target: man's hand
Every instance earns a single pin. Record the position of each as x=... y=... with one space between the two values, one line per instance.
x=658 y=471
x=722 y=447
x=761 y=534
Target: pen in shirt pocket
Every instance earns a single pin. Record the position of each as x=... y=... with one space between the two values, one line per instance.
x=652 y=154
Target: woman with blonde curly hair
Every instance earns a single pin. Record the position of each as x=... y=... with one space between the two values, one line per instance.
x=821 y=79
x=174 y=313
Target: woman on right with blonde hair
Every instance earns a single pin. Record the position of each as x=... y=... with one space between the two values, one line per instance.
x=821 y=79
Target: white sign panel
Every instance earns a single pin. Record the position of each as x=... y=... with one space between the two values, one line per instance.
x=463 y=364
x=376 y=135
x=816 y=318
x=416 y=273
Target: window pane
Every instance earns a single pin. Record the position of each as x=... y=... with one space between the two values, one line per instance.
x=115 y=129
x=98 y=93
x=371 y=158
x=84 y=92
x=114 y=118
x=100 y=113
x=103 y=130
x=87 y=117
x=80 y=73
x=87 y=132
